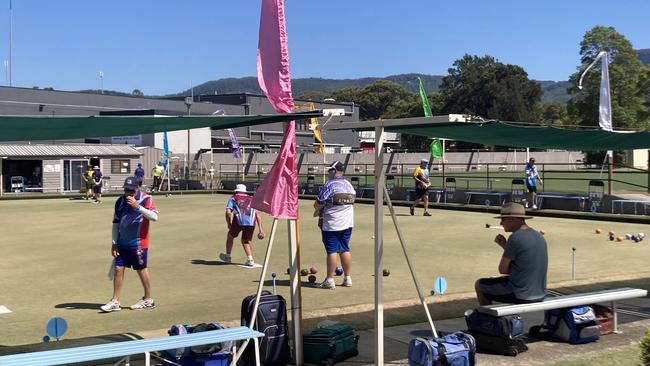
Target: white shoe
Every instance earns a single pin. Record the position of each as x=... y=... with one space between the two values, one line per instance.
x=143 y=304
x=534 y=207
x=328 y=284
x=225 y=257
x=110 y=306
x=347 y=281
x=250 y=262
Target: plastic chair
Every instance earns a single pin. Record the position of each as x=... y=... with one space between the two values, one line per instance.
x=596 y=192
x=450 y=188
x=517 y=189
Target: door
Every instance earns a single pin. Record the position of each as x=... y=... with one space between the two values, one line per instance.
x=73 y=175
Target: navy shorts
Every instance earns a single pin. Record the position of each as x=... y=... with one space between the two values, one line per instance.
x=97 y=189
x=531 y=188
x=131 y=257
x=337 y=241
x=497 y=289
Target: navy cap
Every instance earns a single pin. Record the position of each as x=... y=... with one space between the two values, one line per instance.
x=130 y=183
x=337 y=165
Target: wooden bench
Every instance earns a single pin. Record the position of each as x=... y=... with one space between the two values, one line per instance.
x=566 y=301
x=128 y=348
x=580 y=199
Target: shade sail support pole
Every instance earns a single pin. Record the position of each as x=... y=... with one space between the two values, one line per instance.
x=260 y=286
x=379 y=245
x=408 y=261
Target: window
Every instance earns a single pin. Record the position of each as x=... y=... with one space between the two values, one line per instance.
x=120 y=166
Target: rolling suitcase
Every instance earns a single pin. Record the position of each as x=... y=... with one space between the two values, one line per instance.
x=330 y=345
x=272 y=321
x=502 y=335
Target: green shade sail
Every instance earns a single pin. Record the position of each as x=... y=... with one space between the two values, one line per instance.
x=19 y=128
x=533 y=136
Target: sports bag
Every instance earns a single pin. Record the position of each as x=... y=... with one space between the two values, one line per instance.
x=224 y=348
x=455 y=349
x=331 y=344
x=573 y=325
x=502 y=335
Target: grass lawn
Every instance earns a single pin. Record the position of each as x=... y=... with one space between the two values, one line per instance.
x=56 y=252
x=627 y=356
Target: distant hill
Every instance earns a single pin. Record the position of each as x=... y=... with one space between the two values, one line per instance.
x=644 y=55
x=301 y=85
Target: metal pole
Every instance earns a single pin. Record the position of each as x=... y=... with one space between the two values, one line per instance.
x=379 y=246
x=573 y=263
x=610 y=172
x=648 y=170
x=260 y=286
x=408 y=261
x=296 y=295
x=11 y=27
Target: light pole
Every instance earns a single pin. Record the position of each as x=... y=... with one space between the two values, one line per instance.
x=101 y=82
x=11 y=30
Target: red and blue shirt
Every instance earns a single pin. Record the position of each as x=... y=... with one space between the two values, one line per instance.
x=240 y=204
x=133 y=225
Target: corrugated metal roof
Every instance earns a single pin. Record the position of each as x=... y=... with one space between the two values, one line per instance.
x=67 y=150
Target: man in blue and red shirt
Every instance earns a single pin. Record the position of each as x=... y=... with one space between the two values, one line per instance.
x=241 y=217
x=130 y=243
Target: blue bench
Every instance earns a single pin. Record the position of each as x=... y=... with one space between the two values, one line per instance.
x=501 y=196
x=128 y=348
x=580 y=199
x=567 y=301
x=438 y=192
x=645 y=205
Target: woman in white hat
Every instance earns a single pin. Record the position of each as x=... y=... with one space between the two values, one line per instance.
x=241 y=217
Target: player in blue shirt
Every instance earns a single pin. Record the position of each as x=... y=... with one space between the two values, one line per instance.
x=241 y=217
x=532 y=176
x=130 y=243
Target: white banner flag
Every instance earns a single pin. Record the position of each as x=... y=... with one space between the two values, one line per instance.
x=605 y=106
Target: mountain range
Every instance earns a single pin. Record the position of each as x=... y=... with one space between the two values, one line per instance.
x=553 y=90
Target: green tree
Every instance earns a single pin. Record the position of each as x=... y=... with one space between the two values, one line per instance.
x=137 y=93
x=313 y=95
x=381 y=99
x=629 y=81
x=486 y=87
x=554 y=113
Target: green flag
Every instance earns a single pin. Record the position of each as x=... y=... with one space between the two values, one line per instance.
x=425 y=100
x=436 y=148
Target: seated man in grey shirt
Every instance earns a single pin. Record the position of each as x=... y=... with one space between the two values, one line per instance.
x=524 y=262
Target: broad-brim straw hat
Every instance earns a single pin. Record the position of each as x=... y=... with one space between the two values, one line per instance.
x=512 y=209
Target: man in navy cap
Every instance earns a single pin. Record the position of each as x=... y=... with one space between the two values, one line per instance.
x=133 y=212
x=334 y=206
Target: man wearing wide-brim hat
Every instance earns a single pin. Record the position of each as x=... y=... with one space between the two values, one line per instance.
x=524 y=262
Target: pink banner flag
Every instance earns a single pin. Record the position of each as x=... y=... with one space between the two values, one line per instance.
x=277 y=195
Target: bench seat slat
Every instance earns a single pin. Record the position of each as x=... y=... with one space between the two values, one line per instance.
x=564 y=301
x=122 y=349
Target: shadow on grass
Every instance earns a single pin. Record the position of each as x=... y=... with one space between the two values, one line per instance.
x=79 y=306
x=213 y=263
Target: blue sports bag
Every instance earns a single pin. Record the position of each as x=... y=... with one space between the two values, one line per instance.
x=455 y=349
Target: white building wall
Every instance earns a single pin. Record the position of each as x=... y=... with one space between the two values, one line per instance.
x=200 y=138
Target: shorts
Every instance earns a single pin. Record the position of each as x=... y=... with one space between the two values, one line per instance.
x=97 y=189
x=89 y=186
x=498 y=289
x=132 y=257
x=421 y=192
x=247 y=231
x=337 y=241
x=531 y=189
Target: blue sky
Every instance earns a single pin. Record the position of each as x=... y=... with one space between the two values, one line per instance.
x=163 y=46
